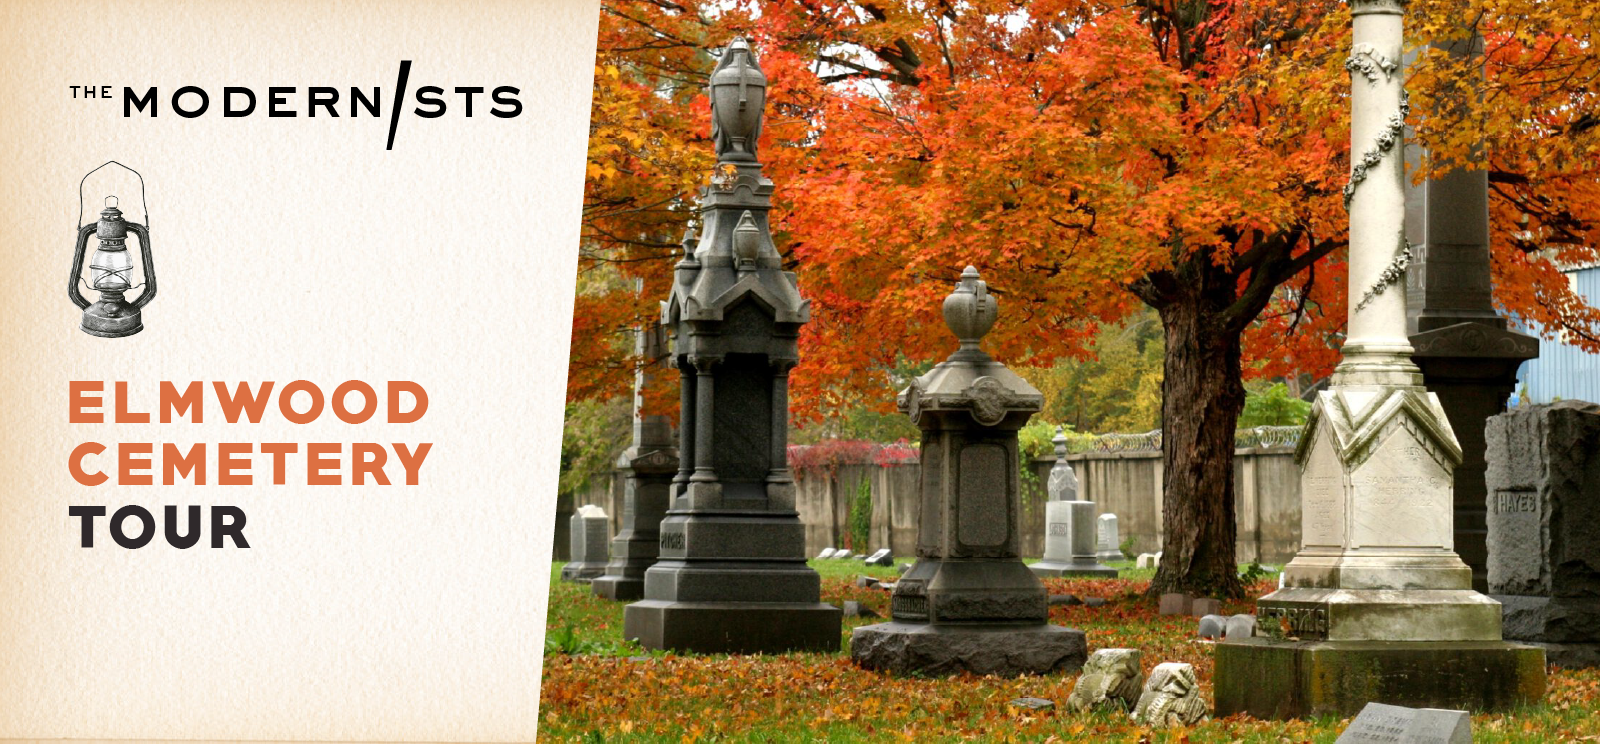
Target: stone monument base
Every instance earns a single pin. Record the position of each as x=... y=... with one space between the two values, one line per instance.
x=1055 y=569
x=733 y=627
x=581 y=572
x=1567 y=628
x=1005 y=650
x=1298 y=679
x=619 y=588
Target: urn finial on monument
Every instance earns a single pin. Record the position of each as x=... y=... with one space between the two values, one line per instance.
x=738 y=100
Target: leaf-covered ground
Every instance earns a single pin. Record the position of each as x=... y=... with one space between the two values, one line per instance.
x=598 y=687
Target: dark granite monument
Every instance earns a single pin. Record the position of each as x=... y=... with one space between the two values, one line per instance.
x=1467 y=355
x=1544 y=528
x=732 y=575
x=969 y=604
x=647 y=468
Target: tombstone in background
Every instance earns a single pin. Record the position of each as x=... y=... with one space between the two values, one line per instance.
x=732 y=575
x=1069 y=539
x=969 y=604
x=591 y=528
x=1376 y=597
x=1544 y=528
x=647 y=468
x=1108 y=545
x=1467 y=355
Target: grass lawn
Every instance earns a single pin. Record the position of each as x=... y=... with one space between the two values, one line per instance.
x=597 y=687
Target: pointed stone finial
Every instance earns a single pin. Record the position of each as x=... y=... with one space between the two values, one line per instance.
x=738 y=100
x=970 y=312
x=1060 y=441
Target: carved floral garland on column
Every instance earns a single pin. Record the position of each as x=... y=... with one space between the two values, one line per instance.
x=1369 y=62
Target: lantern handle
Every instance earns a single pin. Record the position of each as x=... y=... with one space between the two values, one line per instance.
x=77 y=265
x=144 y=203
x=149 y=292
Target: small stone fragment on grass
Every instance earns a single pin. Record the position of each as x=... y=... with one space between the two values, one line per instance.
x=1094 y=601
x=1064 y=600
x=1171 y=697
x=853 y=608
x=1032 y=703
x=1111 y=677
x=866 y=582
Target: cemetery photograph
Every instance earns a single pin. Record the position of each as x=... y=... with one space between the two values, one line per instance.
x=1055 y=370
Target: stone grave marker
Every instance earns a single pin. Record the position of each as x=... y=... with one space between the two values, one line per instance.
x=1108 y=541
x=591 y=529
x=882 y=557
x=1212 y=626
x=647 y=467
x=1176 y=604
x=969 y=603
x=1392 y=724
x=1240 y=627
x=1201 y=607
x=825 y=554
x=732 y=574
x=1069 y=540
x=1543 y=478
x=1147 y=560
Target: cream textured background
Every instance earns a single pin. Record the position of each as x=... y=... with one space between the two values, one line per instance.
x=293 y=249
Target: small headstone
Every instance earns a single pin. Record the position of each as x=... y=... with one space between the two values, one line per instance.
x=1171 y=697
x=1064 y=600
x=1206 y=606
x=1280 y=580
x=904 y=567
x=825 y=554
x=1111 y=677
x=853 y=608
x=1032 y=703
x=1176 y=604
x=1213 y=626
x=1394 y=724
x=1240 y=627
x=887 y=586
x=881 y=558
x=1094 y=601
x=866 y=582
x=1108 y=545
x=1147 y=560
x=591 y=537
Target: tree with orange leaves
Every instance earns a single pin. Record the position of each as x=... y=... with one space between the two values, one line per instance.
x=1188 y=155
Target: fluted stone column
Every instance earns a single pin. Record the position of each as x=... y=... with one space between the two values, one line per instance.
x=732 y=575
x=1376 y=598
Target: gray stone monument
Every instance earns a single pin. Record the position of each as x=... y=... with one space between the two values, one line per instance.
x=1468 y=357
x=590 y=529
x=1069 y=538
x=647 y=468
x=732 y=575
x=1376 y=597
x=1108 y=542
x=969 y=604
x=1544 y=528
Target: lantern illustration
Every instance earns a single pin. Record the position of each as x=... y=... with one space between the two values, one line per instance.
x=111 y=269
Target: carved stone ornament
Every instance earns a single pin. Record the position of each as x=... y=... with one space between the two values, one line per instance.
x=990 y=400
x=1111 y=678
x=1171 y=697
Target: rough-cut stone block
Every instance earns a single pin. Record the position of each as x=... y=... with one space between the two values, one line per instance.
x=1392 y=724
x=1171 y=697
x=940 y=650
x=1213 y=626
x=1278 y=679
x=1205 y=606
x=1176 y=604
x=1111 y=677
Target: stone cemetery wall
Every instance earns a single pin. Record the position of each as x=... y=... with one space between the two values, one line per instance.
x=1126 y=483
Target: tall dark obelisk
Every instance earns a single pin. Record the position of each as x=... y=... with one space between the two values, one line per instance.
x=732 y=575
x=1467 y=355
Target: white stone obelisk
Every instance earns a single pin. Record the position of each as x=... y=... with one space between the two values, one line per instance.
x=1376 y=605
x=1378 y=456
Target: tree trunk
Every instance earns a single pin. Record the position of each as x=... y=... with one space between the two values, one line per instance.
x=1202 y=395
